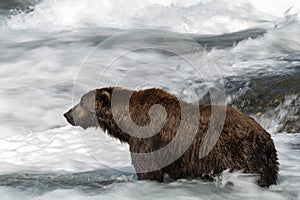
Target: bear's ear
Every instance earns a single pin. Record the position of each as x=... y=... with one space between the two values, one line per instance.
x=104 y=97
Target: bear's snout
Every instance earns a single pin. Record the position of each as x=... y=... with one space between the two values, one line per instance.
x=69 y=116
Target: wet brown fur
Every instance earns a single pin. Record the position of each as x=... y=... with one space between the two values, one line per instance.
x=243 y=144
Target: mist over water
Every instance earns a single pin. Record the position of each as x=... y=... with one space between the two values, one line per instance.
x=50 y=57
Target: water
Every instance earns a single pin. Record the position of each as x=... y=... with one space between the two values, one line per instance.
x=50 y=57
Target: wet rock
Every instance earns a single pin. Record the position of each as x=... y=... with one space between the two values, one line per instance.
x=275 y=97
x=17 y=4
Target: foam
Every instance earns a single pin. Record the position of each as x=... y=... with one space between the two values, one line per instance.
x=205 y=17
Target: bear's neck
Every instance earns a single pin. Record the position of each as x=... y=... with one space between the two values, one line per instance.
x=120 y=135
x=113 y=129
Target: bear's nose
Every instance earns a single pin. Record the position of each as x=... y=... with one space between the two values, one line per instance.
x=68 y=115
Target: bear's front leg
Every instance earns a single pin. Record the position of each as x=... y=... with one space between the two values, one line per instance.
x=154 y=175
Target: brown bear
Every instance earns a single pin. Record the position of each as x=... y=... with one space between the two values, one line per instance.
x=183 y=140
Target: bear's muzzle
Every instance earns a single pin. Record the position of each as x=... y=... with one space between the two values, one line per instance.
x=69 y=116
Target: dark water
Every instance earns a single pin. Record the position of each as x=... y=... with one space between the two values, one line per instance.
x=17 y=4
x=94 y=181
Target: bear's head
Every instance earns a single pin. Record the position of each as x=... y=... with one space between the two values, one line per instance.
x=83 y=114
x=93 y=106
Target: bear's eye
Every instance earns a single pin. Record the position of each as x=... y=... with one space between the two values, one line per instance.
x=81 y=104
